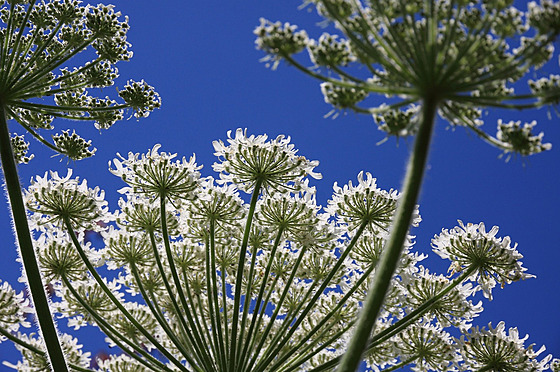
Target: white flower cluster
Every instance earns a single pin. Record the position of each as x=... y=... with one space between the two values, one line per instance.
x=192 y=277
x=43 y=39
x=476 y=51
x=490 y=259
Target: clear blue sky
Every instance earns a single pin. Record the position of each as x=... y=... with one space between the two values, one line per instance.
x=201 y=58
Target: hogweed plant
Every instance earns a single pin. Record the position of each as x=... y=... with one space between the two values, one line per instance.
x=193 y=275
x=41 y=79
x=199 y=278
x=448 y=58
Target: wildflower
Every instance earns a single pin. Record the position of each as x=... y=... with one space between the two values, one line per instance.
x=279 y=39
x=58 y=258
x=365 y=203
x=172 y=286
x=494 y=349
x=138 y=214
x=20 y=147
x=342 y=97
x=127 y=248
x=59 y=198
x=454 y=308
x=14 y=308
x=330 y=50
x=274 y=164
x=492 y=259
x=156 y=174
x=73 y=146
x=220 y=204
x=520 y=139
x=42 y=38
x=293 y=214
x=429 y=346
x=458 y=56
x=33 y=361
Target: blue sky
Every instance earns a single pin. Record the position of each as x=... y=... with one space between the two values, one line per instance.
x=201 y=58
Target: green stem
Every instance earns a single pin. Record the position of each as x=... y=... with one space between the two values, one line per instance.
x=151 y=338
x=34 y=280
x=283 y=337
x=201 y=330
x=151 y=302
x=392 y=251
x=213 y=305
x=241 y=358
x=403 y=323
x=178 y=285
x=264 y=335
x=115 y=335
x=300 y=347
x=239 y=277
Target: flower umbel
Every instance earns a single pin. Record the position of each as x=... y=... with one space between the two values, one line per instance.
x=157 y=175
x=471 y=247
x=496 y=350
x=247 y=160
x=57 y=198
x=39 y=42
x=162 y=283
x=463 y=55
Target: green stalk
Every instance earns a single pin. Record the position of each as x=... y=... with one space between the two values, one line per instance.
x=34 y=280
x=241 y=358
x=117 y=302
x=264 y=334
x=165 y=235
x=403 y=323
x=115 y=335
x=239 y=277
x=300 y=347
x=282 y=338
x=201 y=330
x=151 y=301
x=392 y=251
x=213 y=305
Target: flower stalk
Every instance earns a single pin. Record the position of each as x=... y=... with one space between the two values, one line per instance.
x=391 y=253
x=34 y=280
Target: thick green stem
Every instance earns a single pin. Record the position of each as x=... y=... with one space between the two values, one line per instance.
x=392 y=251
x=34 y=280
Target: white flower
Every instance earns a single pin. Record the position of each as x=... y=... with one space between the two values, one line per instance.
x=365 y=203
x=57 y=198
x=471 y=247
x=495 y=350
x=248 y=161
x=14 y=308
x=156 y=174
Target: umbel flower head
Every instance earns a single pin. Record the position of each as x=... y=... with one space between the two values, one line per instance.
x=59 y=198
x=155 y=174
x=14 y=308
x=496 y=350
x=248 y=160
x=461 y=56
x=492 y=259
x=167 y=288
x=38 y=82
